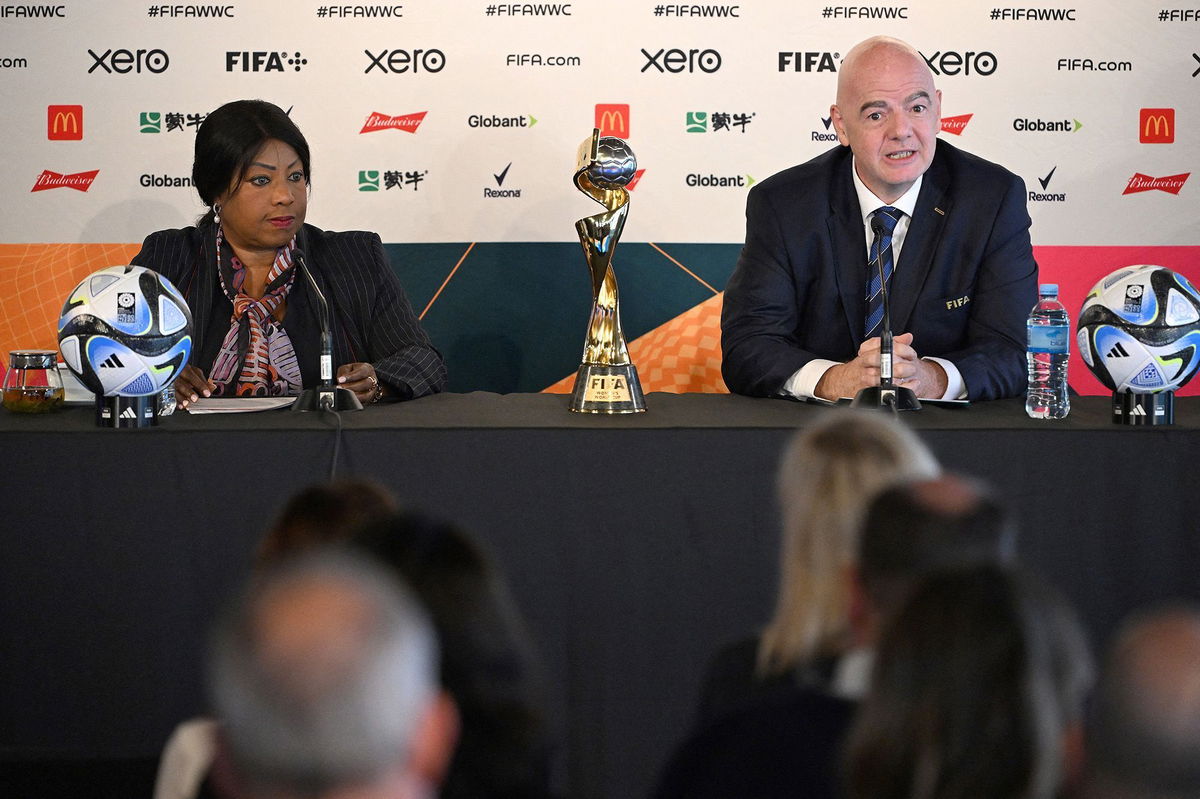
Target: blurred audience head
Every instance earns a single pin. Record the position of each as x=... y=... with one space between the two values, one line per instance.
x=487 y=663
x=828 y=474
x=1143 y=737
x=325 y=677
x=322 y=514
x=977 y=693
x=921 y=526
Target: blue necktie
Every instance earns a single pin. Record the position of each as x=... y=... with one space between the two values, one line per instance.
x=881 y=250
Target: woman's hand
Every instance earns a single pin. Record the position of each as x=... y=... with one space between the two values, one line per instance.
x=191 y=385
x=359 y=378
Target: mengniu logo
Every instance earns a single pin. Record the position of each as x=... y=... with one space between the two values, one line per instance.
x=1171 y=184
x=1156 y=126
x=406 y=122
x=64 y=122
x=80 y=181
x=262 y=61
x=956 y=125
x=613 y=120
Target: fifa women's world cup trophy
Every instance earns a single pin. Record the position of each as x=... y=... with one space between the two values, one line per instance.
x=607 y=381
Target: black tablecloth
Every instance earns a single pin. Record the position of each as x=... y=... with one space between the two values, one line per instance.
x=635 y=545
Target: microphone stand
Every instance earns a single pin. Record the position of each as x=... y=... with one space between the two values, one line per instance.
x=327 y=396
x=887 y=394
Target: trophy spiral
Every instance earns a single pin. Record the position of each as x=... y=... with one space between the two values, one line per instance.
x=607 y=381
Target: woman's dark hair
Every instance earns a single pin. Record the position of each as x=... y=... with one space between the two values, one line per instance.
x=977 y=681
x=323 y=514
x=231 y=136
x=487 y=664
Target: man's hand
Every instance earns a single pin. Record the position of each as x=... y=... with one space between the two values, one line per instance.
x=925 y=378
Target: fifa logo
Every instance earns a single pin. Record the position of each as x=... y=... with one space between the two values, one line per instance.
x=1156 y=126
x=125 y=307
x=613 y=120
x=64 y=122
x=1133 y=298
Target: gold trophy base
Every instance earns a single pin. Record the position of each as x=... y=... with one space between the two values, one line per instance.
x=601 y=388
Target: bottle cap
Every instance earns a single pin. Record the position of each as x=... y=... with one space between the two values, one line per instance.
x=1048 y=288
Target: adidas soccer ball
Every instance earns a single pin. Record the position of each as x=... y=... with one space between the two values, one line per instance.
x=1139 y=330
x=125 y=331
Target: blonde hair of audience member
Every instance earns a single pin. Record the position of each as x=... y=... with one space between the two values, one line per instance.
x=827 y=478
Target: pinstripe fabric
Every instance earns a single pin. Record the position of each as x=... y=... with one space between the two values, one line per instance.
x=372 y=320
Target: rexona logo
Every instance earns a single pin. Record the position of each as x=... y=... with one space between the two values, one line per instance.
x=500 y=191
x=969 y=62
x=1045 y=196
x=406 y=122
x=809 y=62
x=1156 y=126
x=613 y=120
x=696 y=180
x=676 y=60
x=493 y=121
x=64 y=122
x=956 y=125
x=123 y=62
x=262 y=61
x=1171 y=184
x=80 y=181
x=400 y=61
x=1022 y=125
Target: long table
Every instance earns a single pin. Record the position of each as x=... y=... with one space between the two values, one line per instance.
x=635 y=545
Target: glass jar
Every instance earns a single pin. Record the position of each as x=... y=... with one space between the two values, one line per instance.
x=32 y=384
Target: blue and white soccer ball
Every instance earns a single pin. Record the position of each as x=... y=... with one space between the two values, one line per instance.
x=1139 y=330
x=125 y=331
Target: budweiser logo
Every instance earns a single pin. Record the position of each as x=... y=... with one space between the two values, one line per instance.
x=1171 y=184
x=408 y=122
x=80 y=181
x=634 y=180
x=956 y=124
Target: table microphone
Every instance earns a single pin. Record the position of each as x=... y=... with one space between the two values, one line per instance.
x=886 y=394
x=327 y=396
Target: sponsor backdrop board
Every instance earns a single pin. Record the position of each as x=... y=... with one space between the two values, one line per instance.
x=451 y=129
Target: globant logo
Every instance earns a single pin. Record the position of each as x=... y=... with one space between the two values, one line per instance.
x=1171 y=184
x=493 y=121
x=956 y=125
x=80 y=181
x=406 y=122
x=164 y=182
x=696 y=180
x=1022 y=125
x=262 y=61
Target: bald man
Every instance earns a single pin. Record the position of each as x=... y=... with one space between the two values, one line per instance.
x=1143 y=737
x=797 y=319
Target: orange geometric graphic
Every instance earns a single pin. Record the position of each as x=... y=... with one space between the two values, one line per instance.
x=680 y=357
x=34 y=282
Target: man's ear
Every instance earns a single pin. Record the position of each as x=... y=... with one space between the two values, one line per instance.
x=839 y=125
x=435 y=739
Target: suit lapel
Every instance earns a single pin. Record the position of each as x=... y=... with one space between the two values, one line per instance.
x=848 y=244
x=924 y=233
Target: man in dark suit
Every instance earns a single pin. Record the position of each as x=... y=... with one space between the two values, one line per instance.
x=795 y=320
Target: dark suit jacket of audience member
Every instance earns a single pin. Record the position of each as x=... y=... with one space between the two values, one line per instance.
x=786 y=745
x=731 y=682
x=963 y=286
x=371 y=318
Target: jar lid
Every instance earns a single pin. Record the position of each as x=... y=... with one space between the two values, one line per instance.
x=32 y=359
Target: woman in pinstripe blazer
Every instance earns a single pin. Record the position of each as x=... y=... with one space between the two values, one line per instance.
x=256 y=319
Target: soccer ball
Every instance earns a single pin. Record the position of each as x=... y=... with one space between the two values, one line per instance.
x=125 y=331
x=1139 y=330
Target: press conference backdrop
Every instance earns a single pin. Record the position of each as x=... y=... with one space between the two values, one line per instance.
x=451 y=128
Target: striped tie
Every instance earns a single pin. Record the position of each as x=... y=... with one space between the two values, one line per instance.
x=881 y=248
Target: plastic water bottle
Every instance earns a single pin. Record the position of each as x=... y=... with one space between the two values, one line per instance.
x=1047 y=349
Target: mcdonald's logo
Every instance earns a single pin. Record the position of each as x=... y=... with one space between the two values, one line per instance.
x=613 y=120
x=1156 y=126
x=64 y=122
